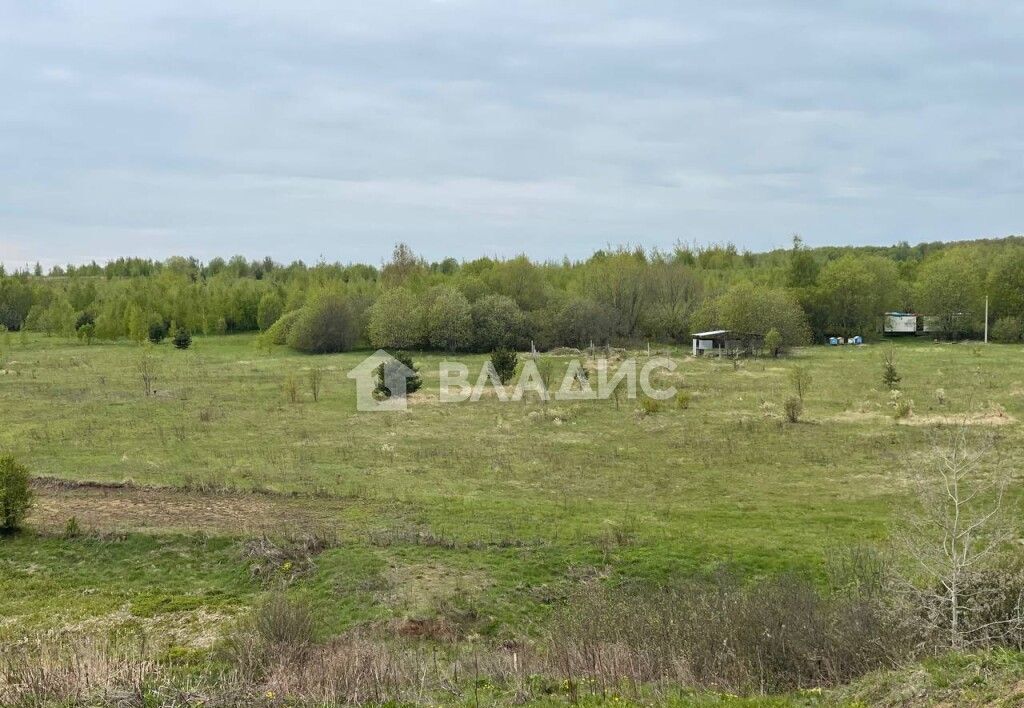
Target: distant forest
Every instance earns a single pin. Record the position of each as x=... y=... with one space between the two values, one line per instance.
x=615 y=296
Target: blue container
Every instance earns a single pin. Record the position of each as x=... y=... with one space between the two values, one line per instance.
x=832 y=341
x=858 y=339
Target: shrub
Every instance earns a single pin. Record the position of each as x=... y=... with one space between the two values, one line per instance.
x=890 y=377
x=580 y=322
x=324 y=326
x=649 y=406
x=449 y=320
x=157 y=331
x=278 y=332
x=396 y=320
x=72 y=529
x=801 y=379
x=15 y=494
x=497 y=323
x=269 y=310
x=291 y=387
x=86 y=333
x=384 y=372
x=182 y=338
x=504 y=362
x=281 y=620
x=315 y=379
x=767 y=636
x=1008 y=329
x=84 y=318
x=901 y=407
x=683 y=400
x=773 y=342
x=794 y=409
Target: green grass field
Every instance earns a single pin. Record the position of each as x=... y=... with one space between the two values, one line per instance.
x=495 y=510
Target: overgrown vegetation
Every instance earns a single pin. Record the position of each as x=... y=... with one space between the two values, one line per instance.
x=15 y=494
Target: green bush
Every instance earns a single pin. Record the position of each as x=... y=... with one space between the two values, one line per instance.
x=182 y=338
x=324 y=326
x=504 y=362
x=157 y=331
x=278 y=332
x=1008 y=329
x=269 y=310
x=683 y=400
x=497 y=323
x=901 y=407
x=794 y=409
x=890 y=377
x=649 y=406
x=15 y=494
x=412 y=383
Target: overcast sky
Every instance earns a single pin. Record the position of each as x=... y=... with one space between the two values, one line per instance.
x=473 y=128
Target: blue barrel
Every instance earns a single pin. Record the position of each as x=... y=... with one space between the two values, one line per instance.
x=832 y=341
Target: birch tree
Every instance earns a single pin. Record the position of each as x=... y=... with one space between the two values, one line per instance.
x=955 y=535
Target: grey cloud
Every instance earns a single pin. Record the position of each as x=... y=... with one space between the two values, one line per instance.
x=466 y=127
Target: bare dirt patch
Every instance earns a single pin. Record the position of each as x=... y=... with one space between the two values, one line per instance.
x=125 y=508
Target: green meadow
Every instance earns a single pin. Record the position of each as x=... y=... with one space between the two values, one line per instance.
x=491 y=512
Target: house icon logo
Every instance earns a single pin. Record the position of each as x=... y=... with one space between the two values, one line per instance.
x=370 y=395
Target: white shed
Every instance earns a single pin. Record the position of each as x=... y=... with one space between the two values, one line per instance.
x=707 y=341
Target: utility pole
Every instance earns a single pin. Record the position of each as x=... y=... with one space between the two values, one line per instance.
x=986 y=319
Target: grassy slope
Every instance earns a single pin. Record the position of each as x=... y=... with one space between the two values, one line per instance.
x=515 y=501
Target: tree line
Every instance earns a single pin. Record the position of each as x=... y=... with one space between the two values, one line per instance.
x=619 y=295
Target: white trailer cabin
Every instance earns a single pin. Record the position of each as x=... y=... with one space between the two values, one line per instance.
x=900 y=323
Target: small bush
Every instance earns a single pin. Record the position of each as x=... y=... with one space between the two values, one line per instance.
x=504 y=362
x=182 y=338
x=773 y=342
x=72 y=529
x=15 y=494
x=315 y=380
x=794 y=409
x=649 y=406
x=157 y=331
x=281 y=620
x=801 y=379
x=890 y=377
x=87 y=332
x=901 y=407
x=291 y=388
x=683 y=400
x=386 y=370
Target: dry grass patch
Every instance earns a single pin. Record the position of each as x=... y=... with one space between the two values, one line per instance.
x=126 y=508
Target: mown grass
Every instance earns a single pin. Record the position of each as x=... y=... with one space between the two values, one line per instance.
x=488 y=512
